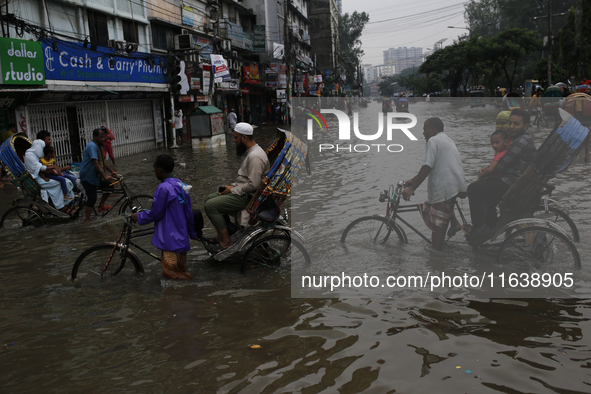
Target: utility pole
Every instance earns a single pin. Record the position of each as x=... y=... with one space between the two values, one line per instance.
x=549 y=42
x=286 y=49
x=549 y=16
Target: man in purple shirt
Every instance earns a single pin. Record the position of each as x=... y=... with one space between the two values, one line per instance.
x=173 y=220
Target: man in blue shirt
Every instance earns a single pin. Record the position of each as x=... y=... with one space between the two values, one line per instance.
x=93 y=173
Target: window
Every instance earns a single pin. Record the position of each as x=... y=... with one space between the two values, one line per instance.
x=159 y=37
x=130 y=31
x=97 y=25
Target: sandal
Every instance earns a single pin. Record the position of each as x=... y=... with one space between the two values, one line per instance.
x=213 y=249
x=453 y=231
x=105 y=208
x=213 y=241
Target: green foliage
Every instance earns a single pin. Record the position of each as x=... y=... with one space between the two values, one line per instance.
x=350 y=29
x=585 y=53
x=568 y=45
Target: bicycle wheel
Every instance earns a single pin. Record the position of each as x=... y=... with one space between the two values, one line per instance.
x=370 y=231
x=274 y=250
x=560 y=218
x=91 y=263
x=539 y=248
x=136 y=203
x=19 y=217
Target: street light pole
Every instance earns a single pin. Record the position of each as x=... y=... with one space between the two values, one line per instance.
x=457 y=27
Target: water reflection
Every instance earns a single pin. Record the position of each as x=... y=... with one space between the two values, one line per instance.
x=158 y=336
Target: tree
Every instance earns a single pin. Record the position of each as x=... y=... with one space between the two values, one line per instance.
x=508 y=48
x=568 y=44
x=585 y=54
x=350 y=29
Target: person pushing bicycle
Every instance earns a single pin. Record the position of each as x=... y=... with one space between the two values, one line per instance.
x=443 y=166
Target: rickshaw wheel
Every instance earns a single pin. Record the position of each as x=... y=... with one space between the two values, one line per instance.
x=275 y=250
x=93 y=260
x=560 y=218
x=18 y=217
x=539 y=248
x=370 y=231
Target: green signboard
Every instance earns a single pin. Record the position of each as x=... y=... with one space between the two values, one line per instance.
x=259 y=39
x=21 y=62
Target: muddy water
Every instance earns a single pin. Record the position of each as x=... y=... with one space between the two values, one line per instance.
x=150 y=335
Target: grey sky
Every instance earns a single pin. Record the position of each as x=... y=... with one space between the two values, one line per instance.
x=411 y=23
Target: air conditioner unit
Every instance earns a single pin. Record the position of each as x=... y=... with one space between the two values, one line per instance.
x=184 y=42
x=119 y=45
x=234 y=54
x=209 y=26
x=131 y=47
x=227 y=45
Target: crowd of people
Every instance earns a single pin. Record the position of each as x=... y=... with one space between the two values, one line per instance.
x=175 y=222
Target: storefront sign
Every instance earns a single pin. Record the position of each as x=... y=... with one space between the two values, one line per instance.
x=73 y=62
x=251 y=74
x=21 y=62
x=317 y=78
x=200 y=98
x=221 y=71
x=206 y=44
x=206 y=79
x=187 y=98
x=236 y=35
x=195 y=83
x=272 y=68
x=187 y=14
x=259 y=39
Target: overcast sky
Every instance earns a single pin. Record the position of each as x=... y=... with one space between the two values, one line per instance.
x=409 y=23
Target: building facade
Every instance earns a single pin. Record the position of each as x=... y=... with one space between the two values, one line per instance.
x=402 y=57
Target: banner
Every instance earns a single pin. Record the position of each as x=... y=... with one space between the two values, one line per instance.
x=73 y=62
x=206 y=74
x=278 y=50
x=21 y=62
x=187 y=14
x=221 y=71
x=259 y=39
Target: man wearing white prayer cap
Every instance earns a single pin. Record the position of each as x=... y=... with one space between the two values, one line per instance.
x=235 y=197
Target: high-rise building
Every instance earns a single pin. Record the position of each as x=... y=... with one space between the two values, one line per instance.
x=403 y=57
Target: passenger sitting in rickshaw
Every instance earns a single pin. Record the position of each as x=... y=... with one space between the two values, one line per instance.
x=485 y=194
x=56 y=172
x=53 y=188
x=499 y=141
x=235 y=197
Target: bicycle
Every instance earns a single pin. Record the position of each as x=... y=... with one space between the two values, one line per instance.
x=532 y=241
x=265 y=246
x=129 y=202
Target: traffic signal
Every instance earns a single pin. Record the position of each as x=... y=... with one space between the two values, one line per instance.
x=175 y=79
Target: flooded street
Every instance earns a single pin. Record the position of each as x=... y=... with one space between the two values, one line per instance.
x=146 y=334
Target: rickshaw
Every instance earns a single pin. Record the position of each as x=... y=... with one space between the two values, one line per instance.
x=477 y=98
x=531 y=229
x=402 y=104
x=33 y=209
x=263 y=238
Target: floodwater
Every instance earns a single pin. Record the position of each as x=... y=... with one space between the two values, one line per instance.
x=145 y=334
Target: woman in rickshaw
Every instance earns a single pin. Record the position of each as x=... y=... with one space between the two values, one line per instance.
x=34 y=166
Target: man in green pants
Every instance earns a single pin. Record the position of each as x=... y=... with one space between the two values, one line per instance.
x=235 y=197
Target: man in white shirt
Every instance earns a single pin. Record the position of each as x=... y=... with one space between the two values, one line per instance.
x=443 y=166
x=231 y=199
x=178 y=125
x=232 y=119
